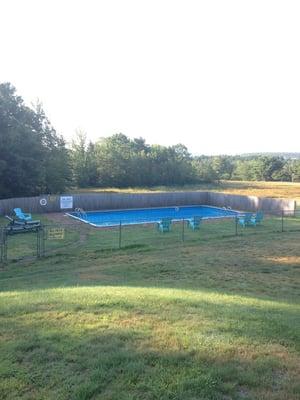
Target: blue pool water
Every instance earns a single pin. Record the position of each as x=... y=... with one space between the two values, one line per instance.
x=150 y=215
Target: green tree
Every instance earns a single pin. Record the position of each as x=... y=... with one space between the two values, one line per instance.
x=204 y=170
x=113 y=159
x=222 y=166
x=79 y=159
x=30 y=149
x=91 y=165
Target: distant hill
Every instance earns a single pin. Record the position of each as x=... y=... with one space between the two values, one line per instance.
x=295 y=156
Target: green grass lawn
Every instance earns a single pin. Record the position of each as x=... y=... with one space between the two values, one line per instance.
x=83 y=236
x=214 y=317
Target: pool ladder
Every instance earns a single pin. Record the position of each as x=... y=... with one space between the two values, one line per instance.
x=81 y=213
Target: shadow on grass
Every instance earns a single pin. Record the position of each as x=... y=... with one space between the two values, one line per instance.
x=64 y=359
x=189 y=323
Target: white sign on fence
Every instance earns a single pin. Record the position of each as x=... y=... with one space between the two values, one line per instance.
x=66 y=202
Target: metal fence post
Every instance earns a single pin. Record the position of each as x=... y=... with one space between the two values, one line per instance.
x=3 y=246
x=44 y=236
x=236 y=225
x=182 y=233
x=282 y=215
x=5 y=240
x=120 y=235
x=38 y=244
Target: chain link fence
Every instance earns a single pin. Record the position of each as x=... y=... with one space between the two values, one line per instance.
x=77 y=237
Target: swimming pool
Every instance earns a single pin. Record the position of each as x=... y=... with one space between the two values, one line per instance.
x=149 y=215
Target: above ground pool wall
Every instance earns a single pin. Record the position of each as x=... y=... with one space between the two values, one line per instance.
x=111 y=201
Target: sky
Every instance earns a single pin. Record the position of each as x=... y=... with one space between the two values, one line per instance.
x=221 y=77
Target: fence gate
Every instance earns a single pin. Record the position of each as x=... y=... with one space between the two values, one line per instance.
x=20 y=246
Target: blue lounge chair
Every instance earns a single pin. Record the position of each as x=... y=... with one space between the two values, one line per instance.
x=21 y=215
x=257 y=218
x=244 y=219
x=194 y=223
x=164 y=225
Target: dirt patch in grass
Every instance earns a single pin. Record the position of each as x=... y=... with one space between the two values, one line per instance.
x=290 y=260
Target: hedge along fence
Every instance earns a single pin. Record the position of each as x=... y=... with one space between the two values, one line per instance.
x=109 y=201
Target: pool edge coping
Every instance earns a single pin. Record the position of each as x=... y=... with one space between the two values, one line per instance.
x=150 y=208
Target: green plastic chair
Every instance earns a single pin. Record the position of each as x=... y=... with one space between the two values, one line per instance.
x=244 y=219
x=194 y=223
x=164 y=225
x=257 y=218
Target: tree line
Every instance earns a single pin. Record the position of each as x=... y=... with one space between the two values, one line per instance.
x=35 y=159
x=120 y=161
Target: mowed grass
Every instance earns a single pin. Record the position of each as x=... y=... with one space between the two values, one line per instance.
x=203 y=319
x=78 y=235
x=248 y=188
